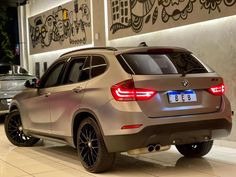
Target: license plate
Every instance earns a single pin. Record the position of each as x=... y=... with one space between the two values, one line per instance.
x=182 y=96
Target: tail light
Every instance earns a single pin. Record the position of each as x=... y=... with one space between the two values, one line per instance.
x=217 y=90
x=125 y=91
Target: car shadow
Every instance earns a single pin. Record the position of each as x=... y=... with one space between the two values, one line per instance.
x=2 y=119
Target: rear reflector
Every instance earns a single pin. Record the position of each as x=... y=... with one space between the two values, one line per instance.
x=217 y=90
x=125 y=91
x=131 y=126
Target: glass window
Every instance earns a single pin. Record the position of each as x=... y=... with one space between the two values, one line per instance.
x=97 y=60
x=78 y=70
x=75 y=71
x=84 y=75
x=170 y=63
x=98 y=70
x=53 y=75
x=98 y=66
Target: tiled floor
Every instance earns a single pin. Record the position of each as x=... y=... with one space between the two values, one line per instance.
x=48 y=159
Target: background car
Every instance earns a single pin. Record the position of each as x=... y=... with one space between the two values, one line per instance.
x=107 y=100
x=12 y=80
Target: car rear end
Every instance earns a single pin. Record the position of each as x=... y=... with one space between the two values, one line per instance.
x=171 y=97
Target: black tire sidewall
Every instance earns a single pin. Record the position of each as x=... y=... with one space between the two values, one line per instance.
x=202 y=149
x=100 y=164
x=93 y=124
x=10 y=116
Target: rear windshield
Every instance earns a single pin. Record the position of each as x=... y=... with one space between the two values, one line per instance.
x=12 y=70
x=171 y=63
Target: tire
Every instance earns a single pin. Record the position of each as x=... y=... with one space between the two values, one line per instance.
x=195 y=149
x=14 y=130
x=91 y=148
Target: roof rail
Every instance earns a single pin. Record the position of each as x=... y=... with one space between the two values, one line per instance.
x=90 y=48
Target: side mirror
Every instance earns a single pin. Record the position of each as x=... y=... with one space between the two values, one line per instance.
x=32 y=83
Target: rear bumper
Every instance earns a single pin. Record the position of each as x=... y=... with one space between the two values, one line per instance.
x=167 y=134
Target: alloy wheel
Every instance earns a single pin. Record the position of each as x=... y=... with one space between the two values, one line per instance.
x=88 y=145
x=15 y=130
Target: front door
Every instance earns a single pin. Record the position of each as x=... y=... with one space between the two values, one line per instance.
x=37 y=107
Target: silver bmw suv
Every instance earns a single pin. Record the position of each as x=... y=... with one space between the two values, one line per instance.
x=107 y=100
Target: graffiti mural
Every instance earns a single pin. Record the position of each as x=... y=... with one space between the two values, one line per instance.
x=126 y=14
x=176 y=9
x=229 y=2
x=212 y=5
x=130 y=17
x=66 y=26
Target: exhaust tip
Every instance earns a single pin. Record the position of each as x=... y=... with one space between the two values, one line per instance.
x=151 y=148
x=157 y=148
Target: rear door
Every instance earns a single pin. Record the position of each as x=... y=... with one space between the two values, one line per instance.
x=181 y=82
x=66 y=98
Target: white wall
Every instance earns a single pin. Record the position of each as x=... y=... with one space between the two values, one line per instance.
x=214 y=42
x=38 y=6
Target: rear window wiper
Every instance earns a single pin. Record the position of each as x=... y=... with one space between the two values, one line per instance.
x=192 y=69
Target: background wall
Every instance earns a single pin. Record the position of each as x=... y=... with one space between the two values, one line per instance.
x=36 y=7
x=214 y=42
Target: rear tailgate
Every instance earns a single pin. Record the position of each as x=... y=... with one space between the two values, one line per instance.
x=177 y=95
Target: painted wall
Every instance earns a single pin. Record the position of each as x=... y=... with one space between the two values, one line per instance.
x=65 y=26
x=214 y=42
x=132 y=17
x=34 y=8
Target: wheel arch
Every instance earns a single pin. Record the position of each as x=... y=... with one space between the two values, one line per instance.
x=13 y=107
x=78 y=118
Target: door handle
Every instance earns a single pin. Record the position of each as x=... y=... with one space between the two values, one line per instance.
x=77 y=89
x=48 y=94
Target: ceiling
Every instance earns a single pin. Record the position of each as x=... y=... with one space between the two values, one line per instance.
x=12 y=3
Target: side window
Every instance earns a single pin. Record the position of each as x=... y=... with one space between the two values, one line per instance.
x=53 y=75
x=98 y=66
x=97 y=60
x=77 y=71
